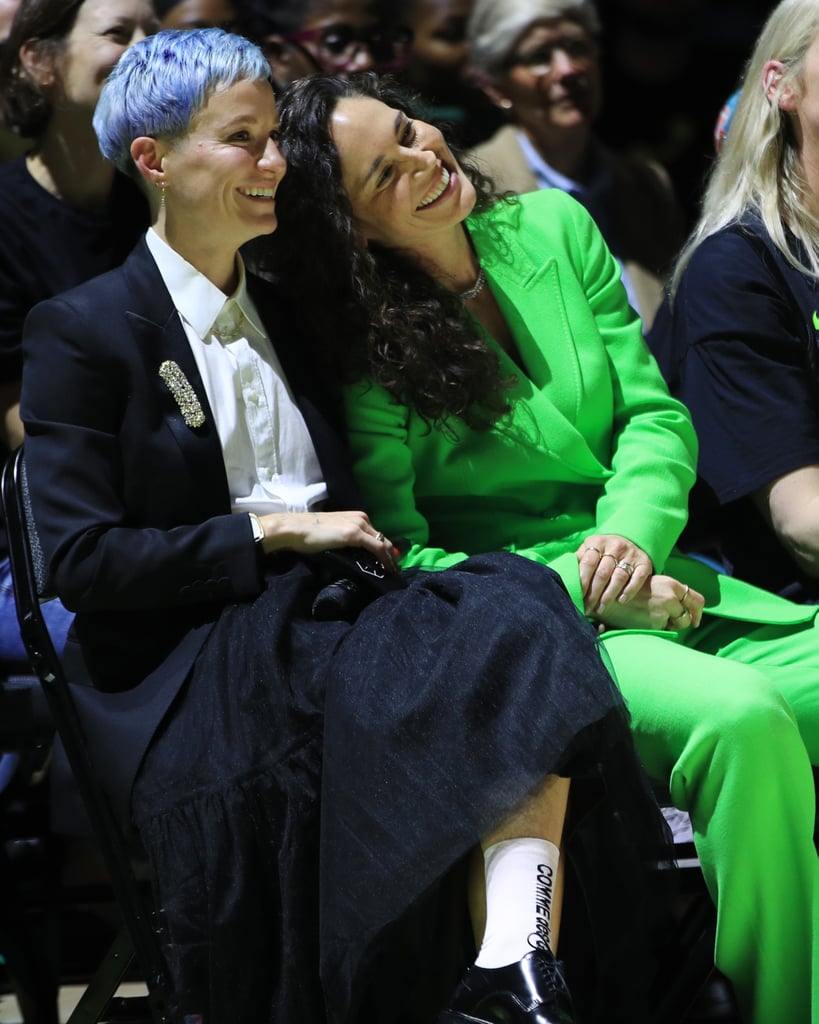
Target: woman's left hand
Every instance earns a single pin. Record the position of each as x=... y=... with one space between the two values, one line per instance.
x=663 y=603
x=611 y=569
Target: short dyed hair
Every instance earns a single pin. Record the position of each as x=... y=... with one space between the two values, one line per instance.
x=159 y=85
x=495 y=27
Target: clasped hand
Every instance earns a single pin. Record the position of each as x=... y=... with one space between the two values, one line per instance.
x=622 y=591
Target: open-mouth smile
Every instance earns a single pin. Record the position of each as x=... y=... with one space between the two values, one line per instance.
x=258 y=193
x=437 y=190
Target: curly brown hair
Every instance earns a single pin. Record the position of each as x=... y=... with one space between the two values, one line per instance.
x=373 y=312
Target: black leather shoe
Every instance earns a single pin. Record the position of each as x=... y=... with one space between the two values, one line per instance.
x=532 y=991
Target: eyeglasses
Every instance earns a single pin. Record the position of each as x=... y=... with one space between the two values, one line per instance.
x=581 y=51
x=337 y=46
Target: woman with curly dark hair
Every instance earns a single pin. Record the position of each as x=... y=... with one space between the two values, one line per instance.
x=388 y=316
x=501 y=397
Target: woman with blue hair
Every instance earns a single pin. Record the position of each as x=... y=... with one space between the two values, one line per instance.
x=305 y=782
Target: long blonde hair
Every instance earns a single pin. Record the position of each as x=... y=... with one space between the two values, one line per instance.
x=759 y=169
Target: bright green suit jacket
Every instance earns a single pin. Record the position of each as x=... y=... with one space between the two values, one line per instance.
x=594 y=443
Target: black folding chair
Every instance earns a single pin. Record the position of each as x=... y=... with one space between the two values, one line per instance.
x=137 y=940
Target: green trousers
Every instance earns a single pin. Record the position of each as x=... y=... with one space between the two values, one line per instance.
x=728 y=716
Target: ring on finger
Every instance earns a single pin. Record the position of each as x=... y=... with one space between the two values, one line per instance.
x=591 y=547
x=682 y=599
x=625 y=565
x=674 y=618
x=608 y=554
x=379 y=536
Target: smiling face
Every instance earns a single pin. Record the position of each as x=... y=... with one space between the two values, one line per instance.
x=552 y=80
x=404 y=185
x=102 y=32
x=221 y=177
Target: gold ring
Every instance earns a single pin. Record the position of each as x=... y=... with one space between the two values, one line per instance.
x=625 y=565
x=682 y=599
x=591 y=547
x=379 y=536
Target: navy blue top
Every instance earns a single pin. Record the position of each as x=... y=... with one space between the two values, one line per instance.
x=739 y=347
x=47 y=246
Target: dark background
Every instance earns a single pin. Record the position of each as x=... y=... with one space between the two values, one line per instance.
x=669 y=66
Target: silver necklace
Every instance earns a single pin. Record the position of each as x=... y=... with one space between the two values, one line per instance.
x=476 y=289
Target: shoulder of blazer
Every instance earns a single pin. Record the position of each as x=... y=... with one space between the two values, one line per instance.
x=531 y=228
x=134 y=287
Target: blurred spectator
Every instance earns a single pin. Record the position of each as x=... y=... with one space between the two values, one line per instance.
x=737 y=335
x=67 y=215
x=11 y=145
x=660 y=102
x=539 y=61
x=186 y=14
x=337 y=37
x=437 y=68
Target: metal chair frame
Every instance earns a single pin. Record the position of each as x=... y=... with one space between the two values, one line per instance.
x=137 y=940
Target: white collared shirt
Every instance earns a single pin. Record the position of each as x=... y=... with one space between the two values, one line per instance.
x=270 y=460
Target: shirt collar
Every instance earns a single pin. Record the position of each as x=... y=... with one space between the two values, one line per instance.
x=198 y=300
x=595 y=196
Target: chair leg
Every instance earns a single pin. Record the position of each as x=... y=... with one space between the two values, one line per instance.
x=32 y=974
x=109 y=975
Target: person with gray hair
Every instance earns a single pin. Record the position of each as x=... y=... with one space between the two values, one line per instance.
x=539 y=62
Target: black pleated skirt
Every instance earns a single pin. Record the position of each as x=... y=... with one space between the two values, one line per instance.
x=310 y=801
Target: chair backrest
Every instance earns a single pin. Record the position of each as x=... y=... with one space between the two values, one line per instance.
x=31 y=587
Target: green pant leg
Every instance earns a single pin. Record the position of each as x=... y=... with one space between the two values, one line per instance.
x=789 y=655
x=726 y=741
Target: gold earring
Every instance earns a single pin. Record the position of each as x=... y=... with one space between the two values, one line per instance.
x=161 y=186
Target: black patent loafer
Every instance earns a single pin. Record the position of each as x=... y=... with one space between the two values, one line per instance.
x=532 y=991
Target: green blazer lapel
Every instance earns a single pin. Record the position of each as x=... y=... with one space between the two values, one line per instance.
x=527 y=293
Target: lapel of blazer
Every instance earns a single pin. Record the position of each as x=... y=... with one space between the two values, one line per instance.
x=532 y=301
x=161 y=338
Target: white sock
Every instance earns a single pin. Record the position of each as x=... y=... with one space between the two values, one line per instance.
x=520 y=881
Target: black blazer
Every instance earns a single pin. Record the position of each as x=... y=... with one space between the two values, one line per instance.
x=132 y=503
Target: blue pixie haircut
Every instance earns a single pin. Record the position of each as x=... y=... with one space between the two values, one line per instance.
x=160 y=83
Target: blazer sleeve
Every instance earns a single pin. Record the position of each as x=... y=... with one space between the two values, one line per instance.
x=651 y=442
x=384 y=466
x=80 y=389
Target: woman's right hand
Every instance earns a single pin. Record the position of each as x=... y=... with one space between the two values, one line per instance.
x=661 y=603
x=312 y=532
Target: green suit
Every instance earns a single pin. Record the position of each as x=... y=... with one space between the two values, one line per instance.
x=728 y=714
